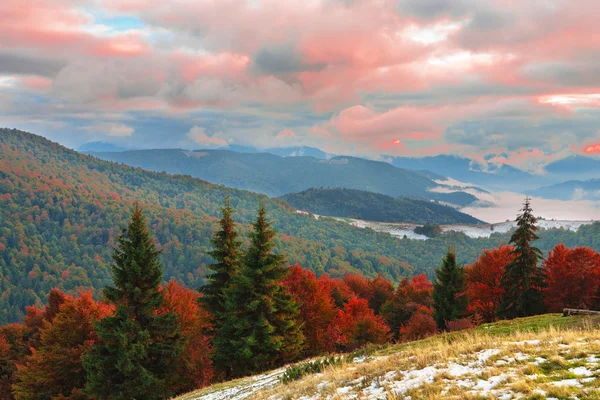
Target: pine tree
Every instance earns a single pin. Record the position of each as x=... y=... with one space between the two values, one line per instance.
x=522 y=279
x=449 y=297
x=227 y=255
x=136 y=347
x=262 y=330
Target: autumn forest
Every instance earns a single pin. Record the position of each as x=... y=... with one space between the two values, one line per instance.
x=122 y=283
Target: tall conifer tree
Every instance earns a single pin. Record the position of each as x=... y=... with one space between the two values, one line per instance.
x=449 y=298
x=137 y=348
x=227 y=255
x=262 y=331
x=523 y=280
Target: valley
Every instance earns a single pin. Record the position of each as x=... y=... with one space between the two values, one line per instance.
x=472 y=231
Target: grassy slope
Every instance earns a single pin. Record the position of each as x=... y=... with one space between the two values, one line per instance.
x=534 y=358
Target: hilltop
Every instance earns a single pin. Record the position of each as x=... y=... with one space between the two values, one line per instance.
x=370 y=206
x=547 y=356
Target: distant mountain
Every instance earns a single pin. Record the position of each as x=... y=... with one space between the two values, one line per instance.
x=579 y=167
x=462 y=169
x=369 y=206
x=299 y=152
x=100 y=146
x=277 y=176
x=570 y=190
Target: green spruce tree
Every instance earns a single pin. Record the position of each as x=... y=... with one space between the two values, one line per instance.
x=522 y=279
x=263 y=329
x=135 y=354
x=227 y=255
x=449 y=298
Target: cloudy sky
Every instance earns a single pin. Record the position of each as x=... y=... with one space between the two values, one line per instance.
x=516 y=81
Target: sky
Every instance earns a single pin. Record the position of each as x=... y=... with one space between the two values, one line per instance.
x=499 y=81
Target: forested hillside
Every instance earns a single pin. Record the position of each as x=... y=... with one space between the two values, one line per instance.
x=370 y=206
x=277 y=176
x=60 y=212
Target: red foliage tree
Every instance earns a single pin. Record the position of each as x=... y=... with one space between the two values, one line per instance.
x=6 y=368
x=22 y=338
x=317 y=309
x=573 y=278
x=340 y=292
x=420 y=325
x=406 y=300
x=56 y=298
x=194 y=364
x=381 y=291
x=55 y=367
x=483 y=282
x=360 y=286
x=356 y=325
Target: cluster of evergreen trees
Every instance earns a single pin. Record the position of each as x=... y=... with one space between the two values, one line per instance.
x=521 y=285
x=255 y=320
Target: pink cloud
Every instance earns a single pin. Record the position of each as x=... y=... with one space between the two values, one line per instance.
x=376 y=74
x=408 y=123
x=286 y=133
x=223 y=65
x=36 y=83
x=198 y=135
x=592 y=149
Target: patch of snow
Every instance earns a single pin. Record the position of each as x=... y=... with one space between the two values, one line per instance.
x=414 y=379
x=460 y=370
x=485 y=355
x=567 y=382
x=344 y=390
x=490 y=383
x=241 y=392
x=581 y=371
x=539 y=360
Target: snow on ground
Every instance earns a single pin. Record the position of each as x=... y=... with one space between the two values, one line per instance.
x=478 y=378
x=497 y=372
x=244 y=388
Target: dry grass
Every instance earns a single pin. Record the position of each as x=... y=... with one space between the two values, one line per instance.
x=476 y=364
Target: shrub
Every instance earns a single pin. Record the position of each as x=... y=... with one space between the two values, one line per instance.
x=459 y=324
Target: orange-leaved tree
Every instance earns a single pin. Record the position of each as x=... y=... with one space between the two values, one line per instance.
x=356 y=325
x=194 y=366
x=54 y=369
x=572 y=278
x=483 y=282
x=317 y=308
x=410 y=295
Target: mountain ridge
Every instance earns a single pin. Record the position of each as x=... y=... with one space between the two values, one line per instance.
x=276 y=176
